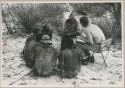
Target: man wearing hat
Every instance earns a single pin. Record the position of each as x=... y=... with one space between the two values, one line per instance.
x=46 y=30
x=45 y=57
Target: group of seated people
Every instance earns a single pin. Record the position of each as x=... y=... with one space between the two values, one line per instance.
x=75 y=46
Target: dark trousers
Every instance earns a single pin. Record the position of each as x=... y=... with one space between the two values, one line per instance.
x=66 y=42
x=86 y=47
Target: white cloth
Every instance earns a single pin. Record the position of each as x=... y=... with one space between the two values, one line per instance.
x=96 y=33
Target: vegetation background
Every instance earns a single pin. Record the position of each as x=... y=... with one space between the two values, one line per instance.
x=19 y=18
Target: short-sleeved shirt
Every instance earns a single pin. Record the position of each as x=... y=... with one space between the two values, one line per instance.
x=96 y=33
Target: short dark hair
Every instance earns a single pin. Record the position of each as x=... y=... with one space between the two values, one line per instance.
x=36 y=28
x=84 y=21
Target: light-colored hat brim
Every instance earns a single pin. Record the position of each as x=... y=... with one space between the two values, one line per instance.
x=46 y=41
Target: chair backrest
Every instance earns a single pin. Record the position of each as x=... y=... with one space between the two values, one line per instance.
x=106 y=44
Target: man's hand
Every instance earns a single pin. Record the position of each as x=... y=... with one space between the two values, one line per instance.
x=74 y=34
x=81 y=38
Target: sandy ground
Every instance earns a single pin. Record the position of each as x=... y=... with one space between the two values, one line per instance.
x=13 y=68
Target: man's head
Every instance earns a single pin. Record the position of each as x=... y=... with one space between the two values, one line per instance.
x=45 y=28
x=84 y=21
x=36 y=29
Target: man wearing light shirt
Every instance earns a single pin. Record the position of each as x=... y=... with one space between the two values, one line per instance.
x=91 y=35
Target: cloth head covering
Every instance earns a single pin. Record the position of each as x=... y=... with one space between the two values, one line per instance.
x=46 y=39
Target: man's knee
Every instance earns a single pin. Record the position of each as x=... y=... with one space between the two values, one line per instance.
x=84 y=46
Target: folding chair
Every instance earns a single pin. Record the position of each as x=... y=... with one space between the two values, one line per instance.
x=104 y=46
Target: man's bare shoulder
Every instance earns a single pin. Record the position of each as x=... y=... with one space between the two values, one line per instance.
x=93 y=26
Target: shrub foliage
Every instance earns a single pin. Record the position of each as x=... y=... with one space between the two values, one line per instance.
x=29 y=14
x=24 y=16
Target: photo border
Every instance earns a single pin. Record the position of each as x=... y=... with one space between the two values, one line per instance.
x=72 y=1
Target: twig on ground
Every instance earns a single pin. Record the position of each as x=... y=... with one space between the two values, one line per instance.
x=21 y=78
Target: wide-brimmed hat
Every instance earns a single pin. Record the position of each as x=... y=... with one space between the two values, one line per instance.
x=46 y=39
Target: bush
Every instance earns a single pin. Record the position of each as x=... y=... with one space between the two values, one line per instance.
x=30 y=14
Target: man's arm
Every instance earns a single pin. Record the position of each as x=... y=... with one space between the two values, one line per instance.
x=88 y=37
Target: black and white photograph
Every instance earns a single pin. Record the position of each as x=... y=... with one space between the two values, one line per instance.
x=67 y=44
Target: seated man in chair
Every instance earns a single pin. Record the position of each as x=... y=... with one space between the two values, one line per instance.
x=91 y=37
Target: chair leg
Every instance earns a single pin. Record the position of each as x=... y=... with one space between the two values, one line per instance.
x=103 y=59
x=106 y=55
x=107 y=52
